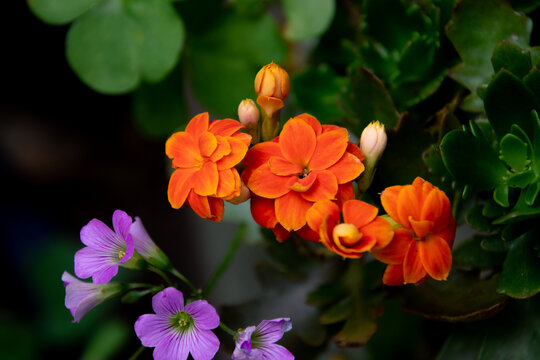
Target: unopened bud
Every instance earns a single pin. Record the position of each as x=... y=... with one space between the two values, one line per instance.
x=272 y=81
x=243 y=197
x=346 y=234
x=248 y=113
x=373 y=141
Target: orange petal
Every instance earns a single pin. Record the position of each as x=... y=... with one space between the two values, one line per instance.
x=225 y=127
x=307 y=234
x=408 y=204
x=319 y=211
x=421 y=228
x=223 y=149
x=200 y=205
x=389 y=201
x=238 y=152
x=413 y=268
x=394 y=253
x=304 y=184
x=328 y=128
x=437 y=208
x=264 y=183
x=261 y=153
x=291 y=211
x=243 y=137
x=436 y=256
x=326 y=232
x=184 y=150
x=359 y=212
x=297 y=141
x=329 y=149
x=263 y=211
x=269 y=104
x=379 y=229
x=280 y=233
x=228 y=184
x=179 y=186
x=217 y=209
x=198 y=125
x=345 y=192
x=207 y=143
x=311 y=121
x=393 y=275
x=282 y=167
x=351 y=244
x=355 y=150
x=348 y=168
x=449 y=233
x=205 y=181
x=325 y=186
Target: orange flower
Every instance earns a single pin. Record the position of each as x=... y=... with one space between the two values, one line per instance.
x=308 y=162
x=272 y=85
x=361 y=231
x=422 y=246
x=204 y=157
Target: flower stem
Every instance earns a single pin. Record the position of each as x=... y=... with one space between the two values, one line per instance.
x=160 y=273
x=137 y=353
x=184 y=279
x=227 y=329
x=235 y=243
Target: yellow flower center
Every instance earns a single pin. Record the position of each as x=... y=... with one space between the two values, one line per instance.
x=121 y=254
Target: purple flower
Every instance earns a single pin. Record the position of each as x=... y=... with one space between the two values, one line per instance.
x=257 y=343
x=105 y=249
x=83 y=296
x=146 y=247
x=176 y=330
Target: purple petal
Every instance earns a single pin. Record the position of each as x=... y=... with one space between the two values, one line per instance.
x=99 y=236
x=121 y=222
x=173 y=346
x=95 y=263
x=67 y=278
x=84 y=306
x=275 y=351
x=128 y=253
x=204 y=314
x=270 y=331
x=168 y=301
x=151 y=329
x=141 y=239
x=202 y=344
x=254 y=354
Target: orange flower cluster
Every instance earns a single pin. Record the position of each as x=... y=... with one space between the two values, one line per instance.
x=306 y=163
x=205 y=156
x=422 y=246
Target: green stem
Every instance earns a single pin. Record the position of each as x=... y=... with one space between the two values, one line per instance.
x=160 y=273
x=132 y=286
x=227 y=329
x=185 y=280
x=137 y=353
x=235 y=243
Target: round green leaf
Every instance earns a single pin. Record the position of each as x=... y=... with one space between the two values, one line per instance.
x=308 y=19
x=59 y=12
x=511 y=57
x=119 y=42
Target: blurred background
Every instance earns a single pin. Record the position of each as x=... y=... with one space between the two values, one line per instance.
x=80 y=138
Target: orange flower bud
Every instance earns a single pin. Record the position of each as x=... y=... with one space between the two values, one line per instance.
x=272 y=81
x=244 y=196
x=248 y=113
x=373 y=141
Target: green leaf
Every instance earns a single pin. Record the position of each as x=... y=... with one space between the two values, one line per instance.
x=470 y=253
x=463 y=297
x=416 y=59
x=221 y=78
x=326 y=293
x=60 y=12
x=338 y=312
x=477 y=220
x=318 y=92
x=471 y=160
x=532 y=81
x=159 y=109
x=508 y=101
x=521 y=211
x=491 y=209
x=511 y=57
x=525 y=5
x=476 y=27
x=118 y=43
x=307 y=19
x=495 y=244
x=520 y=277
x=370 y=99
x=500 y=195
x=531 y=193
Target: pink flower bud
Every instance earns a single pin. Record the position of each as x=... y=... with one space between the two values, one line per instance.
x=248 y=113
x=373 y=141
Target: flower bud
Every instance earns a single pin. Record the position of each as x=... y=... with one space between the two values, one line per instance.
x=248 y=113
x=243 y=197
x=373 y=141
x=272 y=81
x=346 y=234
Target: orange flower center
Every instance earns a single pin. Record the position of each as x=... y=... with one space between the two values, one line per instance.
x=305 y=172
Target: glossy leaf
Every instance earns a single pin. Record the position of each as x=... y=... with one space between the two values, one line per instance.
x=59 y=12
x=477 y=219
x=520 y=277
x=511 y=57
x=307 y=19
x=476 y=27
x=463 y=297
x=118 y=43
x=470 y=253
x=521 y=211
x=532 y=81
x=483 y=170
